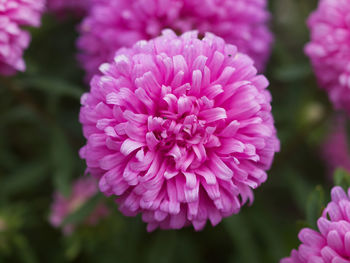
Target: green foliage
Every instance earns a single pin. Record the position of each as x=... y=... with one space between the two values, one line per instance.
x=342 y=178
x=63 y=161
x=243 y=239
x=40 y=137
x=315 y=206
x=23 y=179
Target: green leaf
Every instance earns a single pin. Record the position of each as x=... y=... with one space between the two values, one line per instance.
x=73 y=247
x=163 y=248
x=24 y=250
x=292 y=72
x=342 y=178
x=269 y=229
x=243 y=239
x=53 y=86
x=314 y=206
x=26 y=177
x=300 y=224
x=63 y=161
x=84 y=211
x=171 y=247
x=299 y=187
x=18 y=113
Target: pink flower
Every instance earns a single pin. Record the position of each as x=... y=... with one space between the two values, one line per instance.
x=332 y=243
x=329 y=49
x=83 y=189
x=335 y=149
x=180 y=129
x=62 y=7
x=13 y=40
x=113 y=24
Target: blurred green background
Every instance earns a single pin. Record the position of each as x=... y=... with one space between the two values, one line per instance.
x=40 y=137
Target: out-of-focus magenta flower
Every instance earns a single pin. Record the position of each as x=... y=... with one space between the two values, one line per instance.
x=335 y=149
x=82 y=190
x=62 y=7
x=180 y=129
x=329 y=49
x=113 y=24
x=13 y=40
x=332 y=243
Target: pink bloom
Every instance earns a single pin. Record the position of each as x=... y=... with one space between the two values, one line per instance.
x=62 y=7
x=13 y=40
x=329 y=49
x=332 y=243
x=113 y=24
x=335 y=148
x=83 y=189
x=180 y=129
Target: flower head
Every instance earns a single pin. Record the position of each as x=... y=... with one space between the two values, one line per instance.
x=83 y=189
x=61 y=7
x=329 y=49
x=332 y=242
x=335 y=149
x=13 y=40
x=180 y=129
x=117 y=23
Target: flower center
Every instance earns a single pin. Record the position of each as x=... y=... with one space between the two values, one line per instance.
x=185 y=132
x=181 y=130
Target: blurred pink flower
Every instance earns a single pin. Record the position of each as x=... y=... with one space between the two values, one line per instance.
x=332 y=243
x=13 y=40
x=113 y=24
x=62 y=7
x=180 y=129
x=329 y=49
x=335 y=149
x=82 y=190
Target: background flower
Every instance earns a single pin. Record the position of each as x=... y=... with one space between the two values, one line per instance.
x=180 y=129
x=82 y=190
x=329 y=49
x=15 y=14
x=117 y=23
x=335 y=149
x=332 y=242
x=62 y=7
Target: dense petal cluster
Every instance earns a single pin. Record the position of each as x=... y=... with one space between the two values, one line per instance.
x=13 y=40
x=335 y=149
x=329 y=49
x=332 y=243
x=112 y=24
x=82 y=190
x=62 y=7
x=180 y=129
